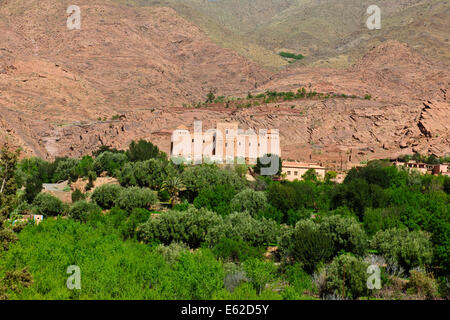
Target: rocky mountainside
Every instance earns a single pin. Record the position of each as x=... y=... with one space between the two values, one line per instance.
x=328 y=32
x=127 y=73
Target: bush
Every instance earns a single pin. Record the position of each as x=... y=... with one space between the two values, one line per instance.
x=293 y=216
x=172 y=252
x=202 y=177
x=67 y=169
x=33 y=186
x=241 y=225
x=408 y=249
x=77 y=195
x=260 y=273
x=236 y=250
x=150 y=173
x=7 y=237
x=135 y=197
x=353 y=270
x=299 y=279
x=346 y=233
x=137 y=217
x=381 y=219
x=163 y=196
x=423 y=284
x=106 y=195
x=216 y=199
x=109 y=161
x=47 y=205
x=92 y=176
x=191 y=227
x=250 y=201
x=82 y=210
x=309 y=245
x=272 y=213
x=143 y=150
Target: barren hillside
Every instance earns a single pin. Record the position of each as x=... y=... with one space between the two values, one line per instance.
x=127 y=73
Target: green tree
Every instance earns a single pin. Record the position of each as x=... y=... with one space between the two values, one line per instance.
x=47 y=205
x=250 y=201
x=173 y=185
x=106 y=195
x=8 y=184
x=135 y=197
x=33 y=185
x=77 y=195
x=310 y=175
x=191 y=227
x=83 y=210
x=408 y=249
x=143 y=150
x=216 y=199
x=260 y=273
x=347 y=277
x=309 y=245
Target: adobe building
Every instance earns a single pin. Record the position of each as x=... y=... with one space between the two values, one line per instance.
x=295 y=170
x=424 y=168
x=225 y=144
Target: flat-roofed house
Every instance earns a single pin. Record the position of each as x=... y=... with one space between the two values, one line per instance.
x=295 y=170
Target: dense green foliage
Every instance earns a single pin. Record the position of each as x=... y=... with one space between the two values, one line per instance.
x=291 y=55
x=212 y=234
x=47 y=205
x=106 y=195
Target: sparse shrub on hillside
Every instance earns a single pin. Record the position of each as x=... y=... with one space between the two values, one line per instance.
x=106 y=195
x=291 y=55
x=135 y=197
x=210 y=97
x=47 y=205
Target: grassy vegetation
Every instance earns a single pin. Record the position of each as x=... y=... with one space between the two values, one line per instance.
x=291 y=55
x=270 y=96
